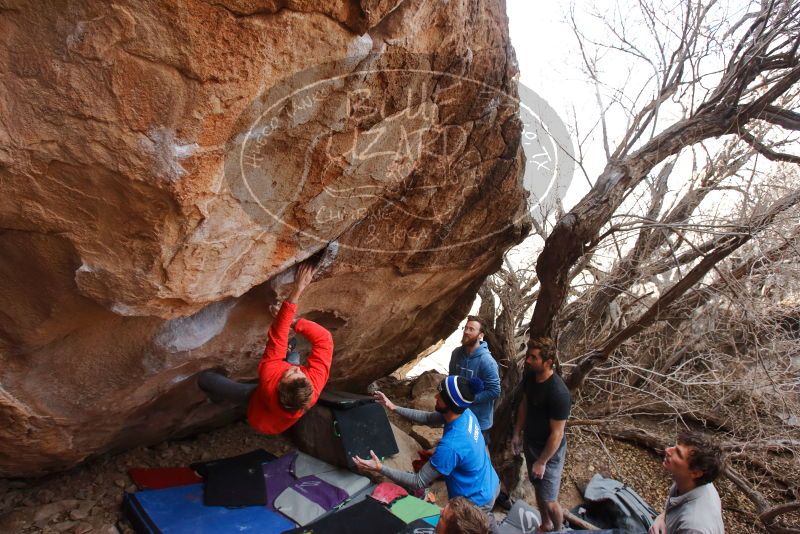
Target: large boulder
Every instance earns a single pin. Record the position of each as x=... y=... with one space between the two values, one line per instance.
x=165 y=165
x=425 y=389
x=408 y=451
x=428 y=437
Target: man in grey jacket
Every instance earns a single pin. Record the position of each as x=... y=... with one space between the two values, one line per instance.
x=693 y=505
x=473 y=360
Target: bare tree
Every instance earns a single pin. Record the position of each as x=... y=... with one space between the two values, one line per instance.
x=620 y=275
x=763 y=68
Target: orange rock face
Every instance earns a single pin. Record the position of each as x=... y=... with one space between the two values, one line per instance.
x=164 y=165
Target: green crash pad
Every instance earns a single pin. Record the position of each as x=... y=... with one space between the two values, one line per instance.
x=410 y=509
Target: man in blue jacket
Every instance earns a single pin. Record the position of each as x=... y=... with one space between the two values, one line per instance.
x=473 y=359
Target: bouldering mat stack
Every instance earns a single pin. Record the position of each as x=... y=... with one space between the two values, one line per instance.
x=303 y=488
x=294 y=490
x=180 y=510
x=302 y=495
x=236 y=482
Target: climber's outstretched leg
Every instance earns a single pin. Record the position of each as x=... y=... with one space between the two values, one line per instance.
x=221 y=388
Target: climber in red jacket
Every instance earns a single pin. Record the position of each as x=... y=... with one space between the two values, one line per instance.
x=284 y=391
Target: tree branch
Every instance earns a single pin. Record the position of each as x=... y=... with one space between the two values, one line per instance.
x=727 y=245
x=780 y=117
x=770 y=515
x=766 y=151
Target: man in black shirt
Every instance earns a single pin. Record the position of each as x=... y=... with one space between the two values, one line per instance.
x=543 y=414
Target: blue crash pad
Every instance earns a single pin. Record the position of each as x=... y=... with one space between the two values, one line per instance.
x=180 y=510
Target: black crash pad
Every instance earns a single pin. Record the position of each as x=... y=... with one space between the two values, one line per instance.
x=363 y=428
x=236 y=481
x=365 y=517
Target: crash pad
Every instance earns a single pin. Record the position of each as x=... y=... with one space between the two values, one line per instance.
x=304 y=488
x=364 y=428
x=308 y=499
x=162 y=477
x=433 y=520
x=238 y=481
x=410 y=509
x=522 y=518
x=180 y=510
x=365 y=517
x=388 y=492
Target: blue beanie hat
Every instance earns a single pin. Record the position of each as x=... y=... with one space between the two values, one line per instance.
x=458 y=392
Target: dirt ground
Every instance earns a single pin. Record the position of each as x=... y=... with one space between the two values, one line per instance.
x=87 y=499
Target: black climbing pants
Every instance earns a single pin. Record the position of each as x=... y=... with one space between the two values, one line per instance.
x=222 y=388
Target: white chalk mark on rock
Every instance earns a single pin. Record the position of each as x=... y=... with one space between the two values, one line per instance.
x=187 y=333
